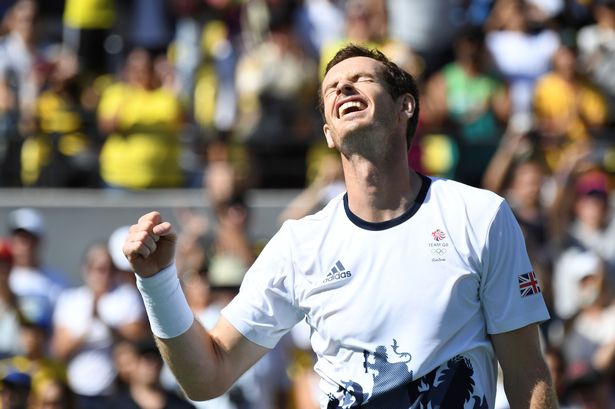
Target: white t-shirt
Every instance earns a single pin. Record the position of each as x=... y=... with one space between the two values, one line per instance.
x=522 y=58
x=389 y=303
x=90 y=370
x=37 y=292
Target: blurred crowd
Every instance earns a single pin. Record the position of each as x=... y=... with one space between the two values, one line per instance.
x=517 y=96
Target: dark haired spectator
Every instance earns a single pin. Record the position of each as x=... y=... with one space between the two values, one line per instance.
x=63 y=149
x=466 y=100
x=519 y=174
x=14 y=389
x=141 y=122
x=144 y=389
x=276 y=86
x=587 y=388
x=33 y=359
x=568 y=109
x=55 y=395
x=88 y=320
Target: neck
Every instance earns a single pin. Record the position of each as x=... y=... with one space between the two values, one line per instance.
x=380 y=192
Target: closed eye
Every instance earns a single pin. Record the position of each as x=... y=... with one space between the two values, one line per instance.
x=365 y=78
x=330 y=88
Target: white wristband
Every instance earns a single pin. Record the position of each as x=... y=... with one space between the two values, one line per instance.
x=165 y=303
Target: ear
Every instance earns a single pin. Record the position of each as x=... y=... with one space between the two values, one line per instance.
x=407 y=105
x=328 y=136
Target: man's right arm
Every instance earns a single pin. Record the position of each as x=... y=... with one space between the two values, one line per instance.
x=204 y=363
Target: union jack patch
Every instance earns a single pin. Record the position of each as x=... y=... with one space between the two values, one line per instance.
x=528 y=284
x=438 y=235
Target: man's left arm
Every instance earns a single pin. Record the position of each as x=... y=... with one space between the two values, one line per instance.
x=527 y=381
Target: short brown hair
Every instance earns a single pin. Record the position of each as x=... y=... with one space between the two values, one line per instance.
x=399 y=82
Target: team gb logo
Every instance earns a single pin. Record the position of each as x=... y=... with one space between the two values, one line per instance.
x=438 y=235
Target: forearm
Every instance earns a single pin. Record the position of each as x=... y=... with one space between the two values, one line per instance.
x=204 y=363
x=531 y=390
x=197 y=362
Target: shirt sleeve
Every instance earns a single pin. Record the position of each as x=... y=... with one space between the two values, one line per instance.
x=510 y=294
x=264 y=310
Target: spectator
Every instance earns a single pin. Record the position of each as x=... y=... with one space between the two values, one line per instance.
x=124 y=273
x=88 y=320
x=589 y=345
x=588 y=389
x=520 y=175
x=34 y=361
x=36 y=285
x=276 y=85
x=568 y=109
x=228 y=201
x=55 y=395
x=15 y=390
x=87 y=24
x=141 y=122
x=591 y=226
x=318 y=23
x=151 y=25
x=63 y=151
x=472 y=104
x=19 y=56
x=522 y=49
x=557 y=367
x=328 y=183
x=419 y=25
x=10 y=137
x=366 y=24
x=596 y=44
x=144 y=389
x=9 y=313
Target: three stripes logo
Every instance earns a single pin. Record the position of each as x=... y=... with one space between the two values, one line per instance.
x=338 y=272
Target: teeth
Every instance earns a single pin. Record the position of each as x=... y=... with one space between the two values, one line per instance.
x=348 y=105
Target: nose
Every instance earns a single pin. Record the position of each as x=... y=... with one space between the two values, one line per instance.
x=345 y=87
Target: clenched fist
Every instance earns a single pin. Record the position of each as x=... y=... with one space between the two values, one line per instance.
x=150 y=245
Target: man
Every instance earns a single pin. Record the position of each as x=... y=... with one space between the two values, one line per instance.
x=87 y=321
x=411 y=285
x=36 y=285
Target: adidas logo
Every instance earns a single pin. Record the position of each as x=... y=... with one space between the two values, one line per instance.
x=338 y=272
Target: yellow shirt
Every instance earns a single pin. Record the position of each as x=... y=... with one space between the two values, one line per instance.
x=144 y=152
x=89 y=14
x=41 y=371
x=557 y=101
x=58 y=119
x=565 y=110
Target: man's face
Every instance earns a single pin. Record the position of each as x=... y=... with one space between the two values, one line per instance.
x=357 y=102
x=25 y=247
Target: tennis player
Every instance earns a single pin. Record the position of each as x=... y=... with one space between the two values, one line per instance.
x=414 y=287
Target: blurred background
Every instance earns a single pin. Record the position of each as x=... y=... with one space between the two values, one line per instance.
x=207 y=110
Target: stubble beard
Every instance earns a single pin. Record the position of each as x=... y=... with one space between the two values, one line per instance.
x=367 y=142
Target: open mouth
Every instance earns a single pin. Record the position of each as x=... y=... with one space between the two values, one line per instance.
x=350 y=107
